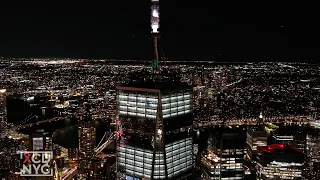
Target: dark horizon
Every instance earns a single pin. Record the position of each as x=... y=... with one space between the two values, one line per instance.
x=203 y=31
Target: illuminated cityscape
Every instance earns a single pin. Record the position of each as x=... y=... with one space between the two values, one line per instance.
x=157 y=118
x=129 y=105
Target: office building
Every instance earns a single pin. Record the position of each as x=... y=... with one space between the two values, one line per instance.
x=87 y=141
x=155 y=130
x=56 y=150
x=256 y=136
x=313 y=155
x=279 y=161
x=3 y=106
x=100 y=169
x=9 y=162
x=224 y=156
x=60 y=162
x=291 y=135
x=72 y=153
x=283 y=139
x=111 y=105
x=40 y=141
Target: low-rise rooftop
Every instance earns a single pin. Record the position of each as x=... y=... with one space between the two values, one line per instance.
x=279 y=148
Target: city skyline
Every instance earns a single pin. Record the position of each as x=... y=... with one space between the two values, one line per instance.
x=186 y=101
x=190 y=31
x=47 y=96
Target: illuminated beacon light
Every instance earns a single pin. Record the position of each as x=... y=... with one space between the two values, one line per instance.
x=155 y=28
x=155 y=13
x=260 y=116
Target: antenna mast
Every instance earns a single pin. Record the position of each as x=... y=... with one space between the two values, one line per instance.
x=155 y=24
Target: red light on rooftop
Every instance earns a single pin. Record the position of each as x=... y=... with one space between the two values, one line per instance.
x=275 y=147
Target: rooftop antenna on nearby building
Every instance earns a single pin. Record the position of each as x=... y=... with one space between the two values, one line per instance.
x=261 y=116
x=260 y=121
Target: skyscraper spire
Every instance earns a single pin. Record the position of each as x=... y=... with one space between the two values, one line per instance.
x=155 y=25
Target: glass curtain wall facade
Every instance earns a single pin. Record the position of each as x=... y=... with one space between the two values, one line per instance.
x=224 y=159
x=137 y=115
x=37 y=143
x=177 y=108
x=256 y=136
x=40 y=141
x=140 y=113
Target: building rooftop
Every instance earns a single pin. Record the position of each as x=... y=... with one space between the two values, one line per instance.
x=279 y=148
x=162 y=85
x=209 y=158
x=287 y=130
x=257 y=128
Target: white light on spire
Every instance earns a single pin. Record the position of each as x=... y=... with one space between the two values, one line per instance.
x=155 y=28
x=260 y=116
x=155 y=13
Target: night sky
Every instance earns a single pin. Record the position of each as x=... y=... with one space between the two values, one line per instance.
x=191 y=30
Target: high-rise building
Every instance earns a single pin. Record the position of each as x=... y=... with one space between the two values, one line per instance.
x=56 y=150
x=9 y=157
x=87 y=142
x=224 y=157
x=72 y=153
x=111 y=104
x=279 y=161
x=14 y=162
x=100 y=170
x=256 y=136
x=40 y=140
x=155 y=130
x=3 y=106
x=313 y=156
x=60 y=162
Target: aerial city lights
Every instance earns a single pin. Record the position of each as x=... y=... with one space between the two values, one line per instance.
x=158 y=119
